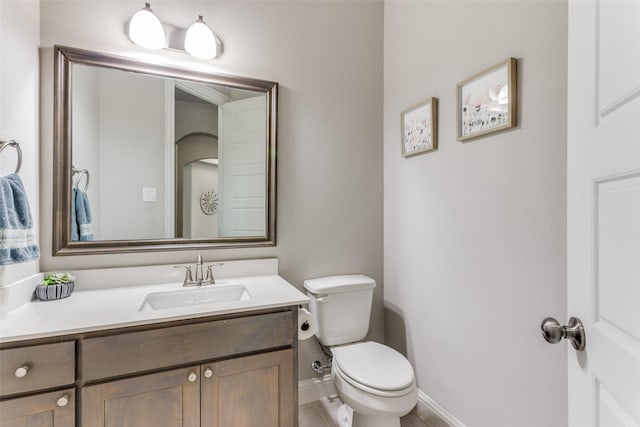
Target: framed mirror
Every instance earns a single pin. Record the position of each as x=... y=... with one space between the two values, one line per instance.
x=152 y=157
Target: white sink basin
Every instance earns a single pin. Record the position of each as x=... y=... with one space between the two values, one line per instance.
x=190 y=297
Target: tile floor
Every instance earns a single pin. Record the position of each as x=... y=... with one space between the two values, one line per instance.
x=324 y=413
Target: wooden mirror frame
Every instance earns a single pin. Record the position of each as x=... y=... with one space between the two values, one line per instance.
x=64 y=58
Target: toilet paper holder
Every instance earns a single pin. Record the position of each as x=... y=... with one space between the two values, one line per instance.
x=307 y=324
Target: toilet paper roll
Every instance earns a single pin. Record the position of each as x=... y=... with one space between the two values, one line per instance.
x=307 y=324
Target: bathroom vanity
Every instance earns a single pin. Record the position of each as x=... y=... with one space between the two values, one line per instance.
x=194 y=366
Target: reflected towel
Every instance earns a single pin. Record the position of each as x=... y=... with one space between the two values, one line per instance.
x=17 y=237
x=80 y=216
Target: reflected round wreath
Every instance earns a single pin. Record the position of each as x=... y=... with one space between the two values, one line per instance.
x=209 y=202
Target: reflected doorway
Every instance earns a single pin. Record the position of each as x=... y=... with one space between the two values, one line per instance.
x=196 y=186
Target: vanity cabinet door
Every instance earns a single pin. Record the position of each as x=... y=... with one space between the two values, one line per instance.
x=55 y=409
x=165 y=399
x=252 y=391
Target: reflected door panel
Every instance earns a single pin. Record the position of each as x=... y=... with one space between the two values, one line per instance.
x=242 y=167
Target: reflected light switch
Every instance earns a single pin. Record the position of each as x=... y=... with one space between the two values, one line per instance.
x=149 y=194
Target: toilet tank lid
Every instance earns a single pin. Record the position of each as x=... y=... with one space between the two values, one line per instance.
x=343 y=283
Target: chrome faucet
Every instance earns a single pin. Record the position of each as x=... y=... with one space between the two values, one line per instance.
x=200 y=279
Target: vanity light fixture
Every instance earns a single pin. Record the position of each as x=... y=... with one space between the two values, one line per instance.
x=199 y=40
x=145 y=29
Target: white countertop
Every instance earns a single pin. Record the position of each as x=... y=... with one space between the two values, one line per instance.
x=94 y=310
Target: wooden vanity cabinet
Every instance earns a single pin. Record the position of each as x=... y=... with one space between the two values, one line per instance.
x=26 y=373
x=236 y=370
x=232 y=372
x=251 y=391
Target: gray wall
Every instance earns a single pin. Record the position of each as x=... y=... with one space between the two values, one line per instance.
x=327 y=58
x=120 y=155
x=19 y=39
x=474 y=233
x=474 y=242
x=130 y=156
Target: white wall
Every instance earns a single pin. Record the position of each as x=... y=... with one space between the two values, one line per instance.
x=474 y=233
x=130 y=155
x=328 y=61
x=19 y=105
x=86 y=136
x=120 y=155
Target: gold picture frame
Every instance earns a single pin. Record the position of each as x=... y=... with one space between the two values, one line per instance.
x=487 y=102
x=419 y=128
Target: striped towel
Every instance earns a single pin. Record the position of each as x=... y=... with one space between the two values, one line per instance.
x=17 y=236
x=81 y=228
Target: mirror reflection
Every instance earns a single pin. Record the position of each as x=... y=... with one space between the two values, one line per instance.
x=167 y=158
x=160 y=156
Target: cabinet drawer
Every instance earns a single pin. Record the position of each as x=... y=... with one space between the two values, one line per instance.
x=48 y=365
x=134 y=352
x=56 y=409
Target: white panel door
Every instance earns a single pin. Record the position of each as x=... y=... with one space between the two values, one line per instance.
x=242 y=154
x=603 y=250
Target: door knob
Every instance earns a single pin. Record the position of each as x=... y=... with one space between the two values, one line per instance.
x=553 y=332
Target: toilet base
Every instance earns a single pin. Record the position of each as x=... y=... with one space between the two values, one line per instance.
x=347 y=417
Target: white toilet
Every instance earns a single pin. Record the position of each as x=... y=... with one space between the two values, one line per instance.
x=375 y=382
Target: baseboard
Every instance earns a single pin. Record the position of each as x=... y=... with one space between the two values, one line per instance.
x=313 y=389
x=429 y=410
x=434 y=414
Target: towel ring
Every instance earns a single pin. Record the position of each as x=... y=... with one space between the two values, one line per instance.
x=15 y=145
x=81 y=173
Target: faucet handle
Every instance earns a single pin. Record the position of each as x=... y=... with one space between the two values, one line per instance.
x=188 y=278
x=187 y=275
x=210 y=278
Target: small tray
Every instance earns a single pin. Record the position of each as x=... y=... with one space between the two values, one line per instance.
x=53 y=292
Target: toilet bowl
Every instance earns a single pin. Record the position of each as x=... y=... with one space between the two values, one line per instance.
x=375 y=382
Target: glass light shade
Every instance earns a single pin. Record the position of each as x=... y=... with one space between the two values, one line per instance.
x=146 y=30
x=200 y=41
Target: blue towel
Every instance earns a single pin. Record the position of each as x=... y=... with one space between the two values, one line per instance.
x=17 y=237
x=80 y=216
x=75 y=233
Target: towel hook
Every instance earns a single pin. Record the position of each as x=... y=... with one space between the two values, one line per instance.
x=12 y=143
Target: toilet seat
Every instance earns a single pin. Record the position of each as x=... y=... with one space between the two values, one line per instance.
x=374 y=368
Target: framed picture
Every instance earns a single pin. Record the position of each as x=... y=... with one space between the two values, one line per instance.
x=486 y=102
x=419 y=126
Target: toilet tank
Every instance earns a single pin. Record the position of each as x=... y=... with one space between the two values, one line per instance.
x=342 y=307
